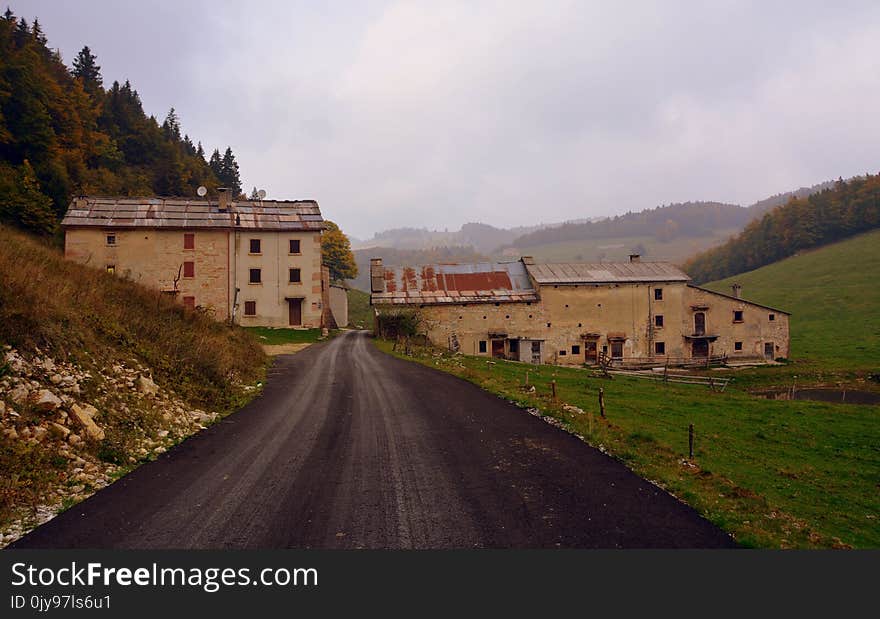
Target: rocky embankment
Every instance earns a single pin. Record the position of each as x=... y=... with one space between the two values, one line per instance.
x=67 y=431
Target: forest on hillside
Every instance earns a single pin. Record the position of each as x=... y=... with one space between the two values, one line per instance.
x=841 y=211
x=664 y=223
x=63 y=134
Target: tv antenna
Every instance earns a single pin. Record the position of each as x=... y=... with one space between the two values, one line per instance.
x=202 y=191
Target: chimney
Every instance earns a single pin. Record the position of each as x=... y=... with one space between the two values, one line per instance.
x=635 y=258
x=222 y=199
x=737 y=290
x=528 y=260
x=377 y=275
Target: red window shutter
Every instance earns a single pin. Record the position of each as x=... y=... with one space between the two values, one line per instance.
x=189 y=269
x=189 y=303
x=189 y=240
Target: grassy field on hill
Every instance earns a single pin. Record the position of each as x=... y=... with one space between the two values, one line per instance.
x=777 y=474
x=834 y=299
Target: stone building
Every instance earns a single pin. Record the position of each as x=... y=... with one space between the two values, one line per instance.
x=256 y=263
x=570 y=314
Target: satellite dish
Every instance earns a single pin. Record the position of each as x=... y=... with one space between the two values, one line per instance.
x=202 y=190
x=261 y=193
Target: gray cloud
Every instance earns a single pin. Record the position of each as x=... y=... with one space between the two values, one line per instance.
x=438 y=113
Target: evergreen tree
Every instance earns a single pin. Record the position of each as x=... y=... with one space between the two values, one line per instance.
x=87 y=70
x=216 y=165
x=171 y=126
x=254 y=194
x=22 y=203
x=200 y=152
x=229 y=175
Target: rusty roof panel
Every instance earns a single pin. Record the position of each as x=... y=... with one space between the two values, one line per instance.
x=456 y=283
x=605 y=272
x=149 y=212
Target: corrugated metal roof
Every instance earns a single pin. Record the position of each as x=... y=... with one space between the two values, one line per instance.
x=184 y=213
x=605 y=272
x=484 y=282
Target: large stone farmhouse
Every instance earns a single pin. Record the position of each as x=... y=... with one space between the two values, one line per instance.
x=256 y=263
x=570 y=314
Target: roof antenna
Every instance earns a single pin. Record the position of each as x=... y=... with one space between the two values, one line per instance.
x=261 y=194
x=202 y=190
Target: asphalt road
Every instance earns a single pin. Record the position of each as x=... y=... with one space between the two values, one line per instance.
x=350 y=448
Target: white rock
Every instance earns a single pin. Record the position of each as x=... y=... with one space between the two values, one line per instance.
x=82 y=418
x=45 y=401
x=146 y=386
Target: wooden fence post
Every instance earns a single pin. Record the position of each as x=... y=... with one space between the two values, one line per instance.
x=527 y=378
x=691 y=441
x=553 y=388
x=602 y=402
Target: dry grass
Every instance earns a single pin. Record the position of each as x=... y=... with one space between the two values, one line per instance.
x=93 y=318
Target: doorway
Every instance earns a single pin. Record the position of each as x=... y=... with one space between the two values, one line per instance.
x=617 y=350
x=294 y=312
x=591 y=352
x=701 y=348
x=498 y=349
x=536 y=352
x=768 y=350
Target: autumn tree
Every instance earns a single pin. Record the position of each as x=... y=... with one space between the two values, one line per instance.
x=336 y=253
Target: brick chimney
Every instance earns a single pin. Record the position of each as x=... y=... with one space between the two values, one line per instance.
x=737 y=290
x=377 y=275
x=635 y=258
x=222 y=199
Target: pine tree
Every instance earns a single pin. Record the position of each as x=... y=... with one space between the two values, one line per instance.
x=254 y=194
x=171 y=126
x=8 y=15
x=86 y=69
x=200 y=151
x=229 y=175
x=216 y=165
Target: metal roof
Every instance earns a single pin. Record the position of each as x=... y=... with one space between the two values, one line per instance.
x=605 y=272
x=186 y=213
x=484 y=282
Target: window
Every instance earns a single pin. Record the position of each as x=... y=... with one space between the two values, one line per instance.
x=575 y=350
x=255 y=246
x=482 y=346
x=294 y=246
x=738 y=346
x=548 y=325
x=658 y=321
x=250 y=308
x=294 y=276
x=111 y=239
x=737 y=315
x=189 y=269
x=111 y=269
x=189 y=303
x=658 y=294
x=617 y=350
x=772 y=317
x=562 y=353
x=189 y=240
x=255 y=276
x=514 y=346
x=659 y=348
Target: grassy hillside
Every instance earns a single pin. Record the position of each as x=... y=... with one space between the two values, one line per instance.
x=833 y=295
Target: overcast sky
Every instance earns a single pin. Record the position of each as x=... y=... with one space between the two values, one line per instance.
x=439 y=113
